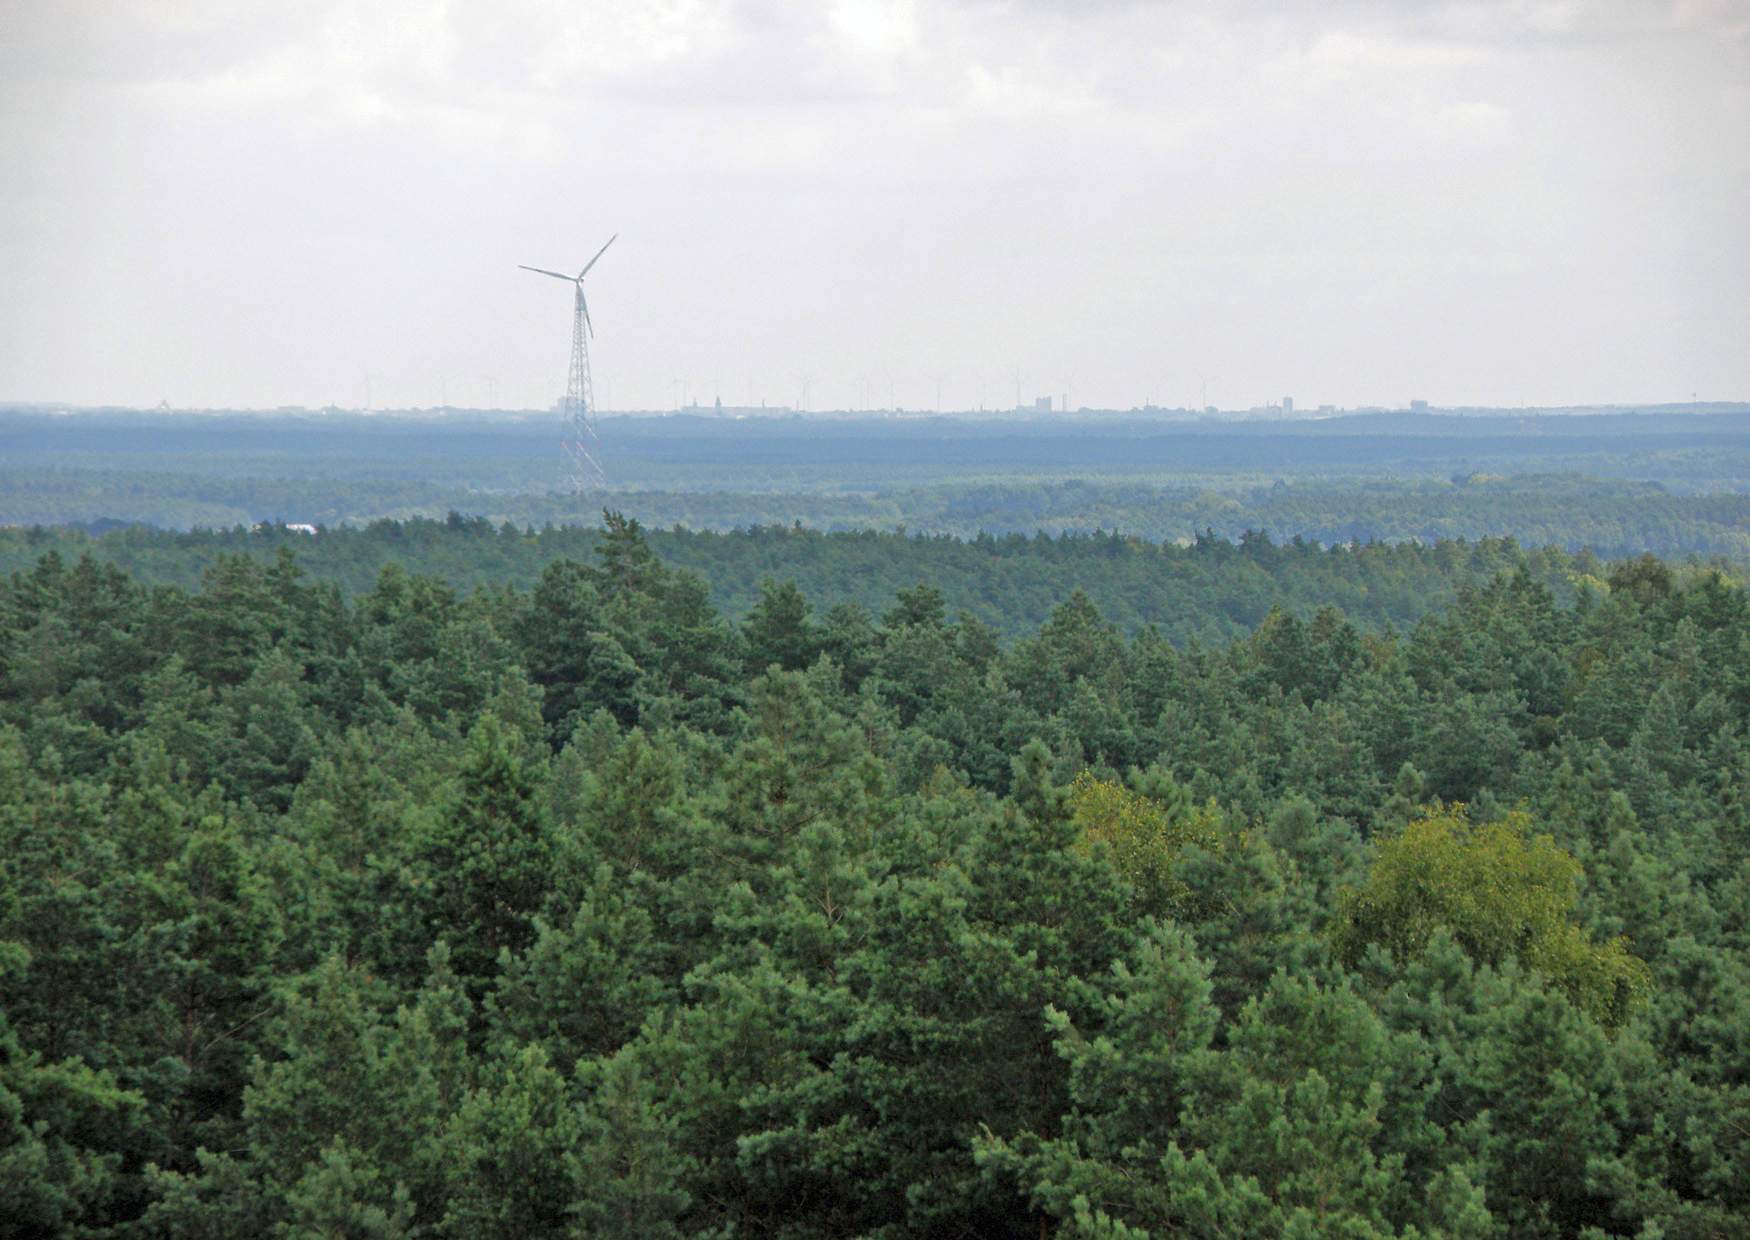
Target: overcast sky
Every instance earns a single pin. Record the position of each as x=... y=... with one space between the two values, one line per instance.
x=1499 y=201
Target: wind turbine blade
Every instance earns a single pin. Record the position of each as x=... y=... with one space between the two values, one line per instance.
x=582 y=301
x=545 y=272
x=592 y=262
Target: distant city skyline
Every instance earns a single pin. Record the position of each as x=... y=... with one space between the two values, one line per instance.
x=1033 y=412
x=866 y=204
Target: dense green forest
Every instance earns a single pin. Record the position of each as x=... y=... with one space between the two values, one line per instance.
x=1569 y=511
x=1706 y=449
x=1615 y=483
x=581 y=909
x=1212 y=589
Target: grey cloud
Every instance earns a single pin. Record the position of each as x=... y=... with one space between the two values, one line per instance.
x=1489 y=201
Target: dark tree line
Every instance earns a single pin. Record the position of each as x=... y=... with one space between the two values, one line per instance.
x=584 y=910
x=1212 y=588
x=1607 y=515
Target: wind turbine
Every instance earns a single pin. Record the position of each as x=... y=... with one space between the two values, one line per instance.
x=583 y=448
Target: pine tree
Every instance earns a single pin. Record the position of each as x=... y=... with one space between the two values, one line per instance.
x=488 y=861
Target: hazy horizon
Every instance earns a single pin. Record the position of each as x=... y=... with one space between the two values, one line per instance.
x=1178 y=413
x=1489 y=204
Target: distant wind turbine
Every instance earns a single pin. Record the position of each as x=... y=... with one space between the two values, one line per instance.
x=583 y=448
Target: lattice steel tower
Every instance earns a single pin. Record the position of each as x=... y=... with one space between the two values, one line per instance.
x=583 y=459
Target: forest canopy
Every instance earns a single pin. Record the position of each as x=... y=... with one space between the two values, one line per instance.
x=567 y=902
x=1211 y=588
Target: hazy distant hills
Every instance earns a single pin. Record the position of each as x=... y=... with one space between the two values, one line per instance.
x=1691 y=451
x=1617 y=483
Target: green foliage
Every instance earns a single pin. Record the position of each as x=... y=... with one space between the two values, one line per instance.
x=581 y=910
x=64 y=1130
x=1145 y=835
x=1501 y=892
x=625 y=1169
x=510 y=1140
x=778 y=629
x=488 y=863
x=1188 y=583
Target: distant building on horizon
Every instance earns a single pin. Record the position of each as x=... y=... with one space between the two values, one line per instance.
x=717 y=409
x=1418 y=406
x=1288 y=404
